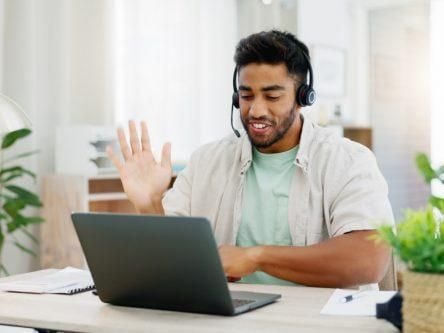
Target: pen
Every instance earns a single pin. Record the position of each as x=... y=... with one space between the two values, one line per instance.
x=351 y=297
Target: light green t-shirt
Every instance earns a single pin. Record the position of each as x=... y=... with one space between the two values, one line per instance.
x=265 y=206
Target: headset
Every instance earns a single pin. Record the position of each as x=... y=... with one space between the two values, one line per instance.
x=305 y=95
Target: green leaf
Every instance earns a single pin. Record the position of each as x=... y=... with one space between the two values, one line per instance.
x=14 y=172
x=20 y=221
x=13 y=206
x=12 y=226
x=437 y=202
x=11 y=137
x=424 y=166
x=26 y=196
x=25 y=249
x=16 y=157
x=417 y=241
x=27 y=220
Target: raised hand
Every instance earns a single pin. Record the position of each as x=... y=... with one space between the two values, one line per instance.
x=144 y=179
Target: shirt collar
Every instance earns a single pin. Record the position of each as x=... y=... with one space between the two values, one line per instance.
x=307 y=135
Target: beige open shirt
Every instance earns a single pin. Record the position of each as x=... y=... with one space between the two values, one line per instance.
x=337 y=187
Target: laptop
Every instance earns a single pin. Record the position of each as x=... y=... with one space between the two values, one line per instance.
x=160 y=262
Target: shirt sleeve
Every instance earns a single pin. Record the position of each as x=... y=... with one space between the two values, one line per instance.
x=177 y=200
x=360 y=196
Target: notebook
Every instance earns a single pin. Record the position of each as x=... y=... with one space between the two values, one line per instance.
x=69 y=280
x=160 y=262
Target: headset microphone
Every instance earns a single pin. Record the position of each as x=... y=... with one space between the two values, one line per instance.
x=232 y=126
x=234 y=102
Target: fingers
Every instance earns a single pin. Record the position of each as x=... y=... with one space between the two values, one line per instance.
x=166 y=156
x=134 y=137
x=145 y=139
x=136 y=146
x=113 y=157
x=233 y=279
x=126 y=150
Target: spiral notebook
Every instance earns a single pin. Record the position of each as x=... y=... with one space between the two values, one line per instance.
x=69 y=281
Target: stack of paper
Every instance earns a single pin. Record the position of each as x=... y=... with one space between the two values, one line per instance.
x=65 y=281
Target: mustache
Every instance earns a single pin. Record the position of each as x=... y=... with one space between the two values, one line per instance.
x=262 y=119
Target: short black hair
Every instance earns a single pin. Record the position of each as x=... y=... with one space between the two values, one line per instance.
x=274 y=47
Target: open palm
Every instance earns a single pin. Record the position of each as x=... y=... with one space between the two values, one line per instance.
x=143 y=178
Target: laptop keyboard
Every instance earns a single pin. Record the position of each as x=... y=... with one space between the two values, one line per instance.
x=239 y=302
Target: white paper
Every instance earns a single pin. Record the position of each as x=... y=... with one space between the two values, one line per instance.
x=62 y=281
x=364 y=305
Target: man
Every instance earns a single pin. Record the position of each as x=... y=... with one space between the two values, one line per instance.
x=288 y=201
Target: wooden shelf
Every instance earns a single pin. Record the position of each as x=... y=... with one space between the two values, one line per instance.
x=107 y=197
x=363 y=135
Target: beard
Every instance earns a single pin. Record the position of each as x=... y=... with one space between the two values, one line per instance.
x=278 y=132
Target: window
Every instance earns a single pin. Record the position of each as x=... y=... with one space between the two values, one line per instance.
x=174 y=63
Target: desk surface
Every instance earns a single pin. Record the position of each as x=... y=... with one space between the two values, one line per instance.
x=297 y=311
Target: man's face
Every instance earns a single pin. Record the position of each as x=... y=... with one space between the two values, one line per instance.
x=269 y=113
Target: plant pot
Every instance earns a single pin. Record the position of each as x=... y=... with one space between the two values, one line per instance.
x=423 y=305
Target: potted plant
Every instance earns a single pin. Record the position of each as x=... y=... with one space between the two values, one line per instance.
x=431 y=175
x=418 y=240
x=14 y=199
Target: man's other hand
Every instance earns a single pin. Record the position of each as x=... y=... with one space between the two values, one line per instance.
x=237 y=261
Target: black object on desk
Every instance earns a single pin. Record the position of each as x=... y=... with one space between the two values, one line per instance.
x=391 y=310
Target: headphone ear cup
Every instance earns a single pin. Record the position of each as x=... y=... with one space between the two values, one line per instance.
x=235 y=100
x=310 y=96
x=300 y=94
x=305 y=95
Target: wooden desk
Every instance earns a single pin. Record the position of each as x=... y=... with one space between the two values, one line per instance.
x=297 y=311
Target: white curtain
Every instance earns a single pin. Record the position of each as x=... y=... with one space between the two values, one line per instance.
x=174 y=63
x=437 y=86
x=76 y=62
x=400 y=98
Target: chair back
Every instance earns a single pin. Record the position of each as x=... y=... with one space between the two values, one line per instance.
x=389 y=281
